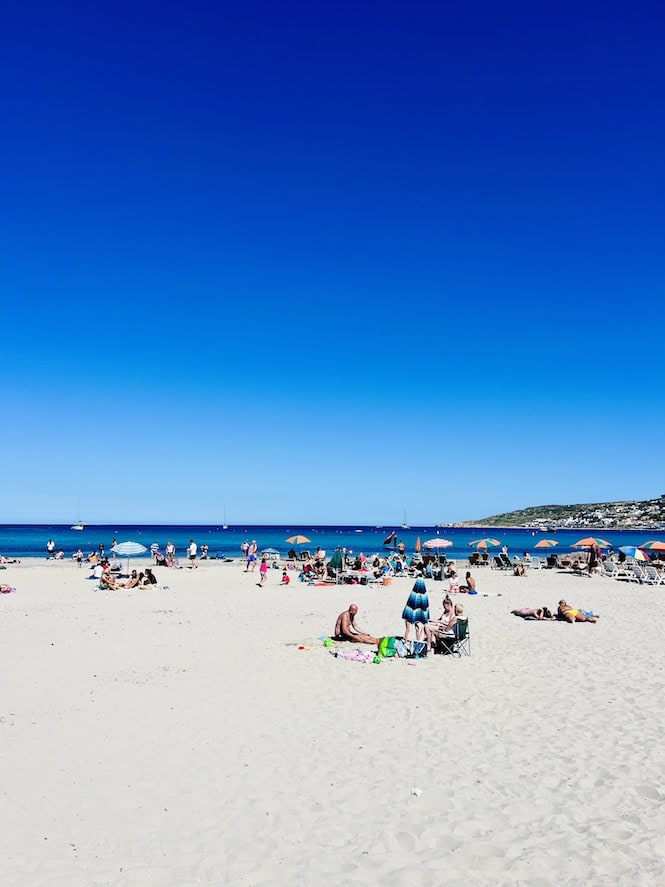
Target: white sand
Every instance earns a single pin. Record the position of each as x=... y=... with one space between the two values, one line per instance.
x=179 y=736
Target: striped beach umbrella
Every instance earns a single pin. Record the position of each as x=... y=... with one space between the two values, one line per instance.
x=484 y=543
x=297 y=540
x=128 y=549
x=653 y=545
x=437 y=543
x=590 y=541
x=632 y=551
x=546 y=543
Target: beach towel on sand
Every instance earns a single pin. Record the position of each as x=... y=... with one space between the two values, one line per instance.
x=386 y=647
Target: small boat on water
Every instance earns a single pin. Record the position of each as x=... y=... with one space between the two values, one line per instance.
x=78 y=526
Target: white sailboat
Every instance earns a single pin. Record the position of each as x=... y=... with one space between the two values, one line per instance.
x=79 y=525
x=405 y=525
x=225 y=526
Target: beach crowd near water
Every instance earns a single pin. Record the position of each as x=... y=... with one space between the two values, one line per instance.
x=266 y=717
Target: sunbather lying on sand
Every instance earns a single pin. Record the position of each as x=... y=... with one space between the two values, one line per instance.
x=569 y=614
x=347 y=630
x=530 y=613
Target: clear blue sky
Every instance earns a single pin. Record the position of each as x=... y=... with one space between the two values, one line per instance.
x=323 y=262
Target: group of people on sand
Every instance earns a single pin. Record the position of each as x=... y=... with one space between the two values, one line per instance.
x=135 y=580
x=415 y=615
x=168 y=558
x=564 y=613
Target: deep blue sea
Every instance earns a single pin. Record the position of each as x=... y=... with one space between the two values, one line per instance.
x=30 y=540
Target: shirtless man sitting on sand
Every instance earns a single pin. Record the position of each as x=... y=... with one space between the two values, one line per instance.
x=347 y=630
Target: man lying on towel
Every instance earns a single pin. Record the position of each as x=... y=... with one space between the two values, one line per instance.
x=347 y=630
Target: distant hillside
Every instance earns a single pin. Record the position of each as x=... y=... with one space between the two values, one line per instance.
x=645 y=515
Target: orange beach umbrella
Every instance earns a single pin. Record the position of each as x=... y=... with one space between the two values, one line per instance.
x=589 y=541
x=485 y=543
x=653 y=545
x=546 y=543
x=297 y=540
x=416 y=547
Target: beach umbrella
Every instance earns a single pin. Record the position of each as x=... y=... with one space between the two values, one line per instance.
x=438 y=543
x=416 y=547
x=297 y=540
x=590 y=541
x=389 y=538
x=336 y=562
x=270 y=552
x=128 y=549
x=653 y=545
x=546 y=543
x=633 y=552
x=485 y=543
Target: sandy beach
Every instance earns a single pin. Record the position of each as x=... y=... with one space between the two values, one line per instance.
x=180 y=736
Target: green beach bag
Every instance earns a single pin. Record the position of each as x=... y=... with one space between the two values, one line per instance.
x=387 y=647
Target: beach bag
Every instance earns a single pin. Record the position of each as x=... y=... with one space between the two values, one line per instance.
x=387 y=647
x=400 y=648
x=418 y=650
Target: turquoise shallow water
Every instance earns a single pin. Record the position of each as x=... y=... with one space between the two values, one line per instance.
x=30 y=540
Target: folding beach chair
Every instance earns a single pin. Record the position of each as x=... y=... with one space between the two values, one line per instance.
x=458 y=644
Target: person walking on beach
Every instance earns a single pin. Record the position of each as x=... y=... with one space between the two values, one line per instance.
x=191 y=554
x=263 y=570
x=594 y=556
x=244 y=550
x=251 y=556
x=169 y=552
x=50 y=549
